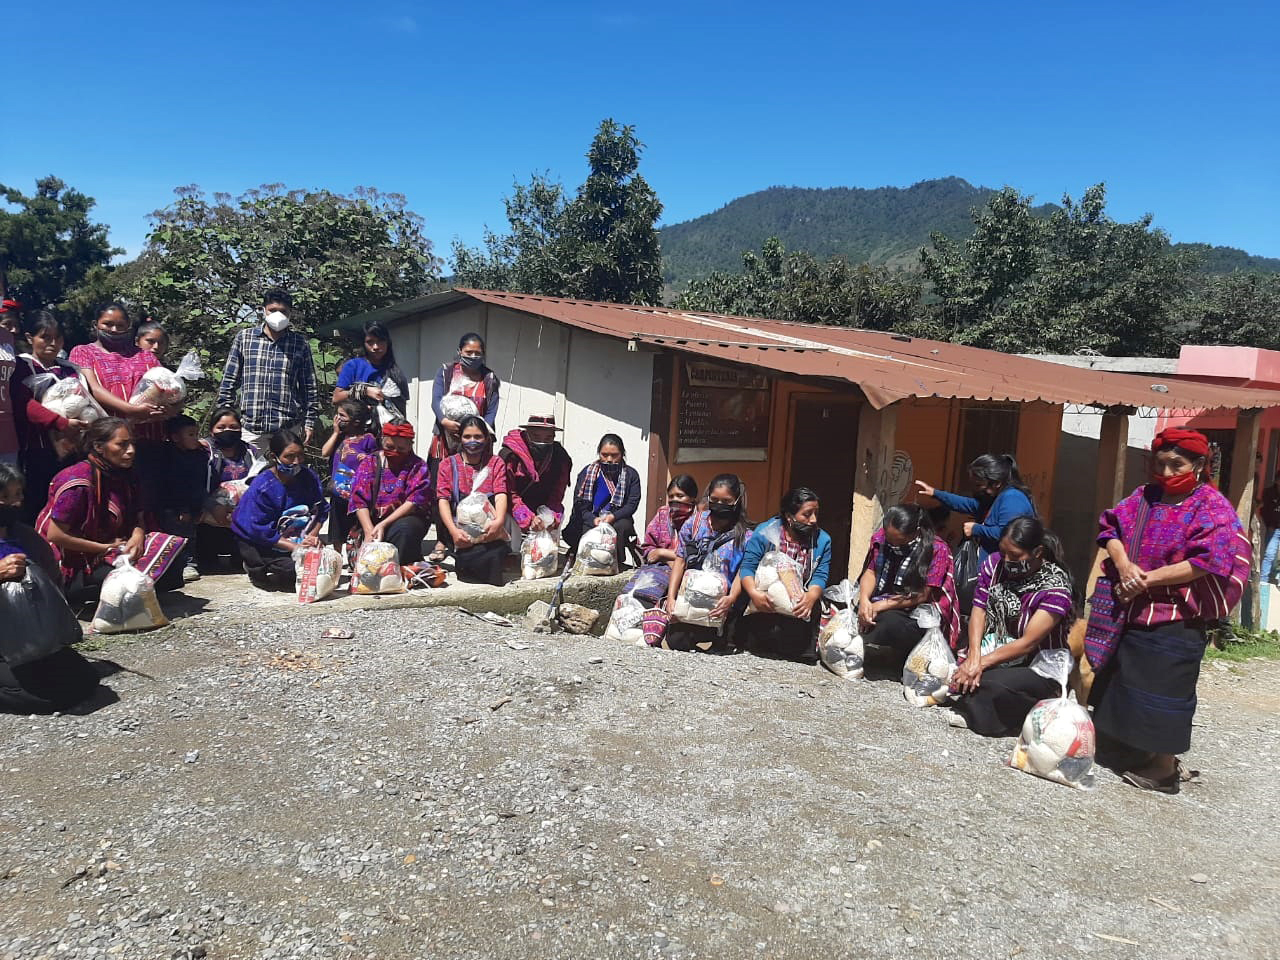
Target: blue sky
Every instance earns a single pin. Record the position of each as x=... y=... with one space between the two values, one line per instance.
x=1176 y=106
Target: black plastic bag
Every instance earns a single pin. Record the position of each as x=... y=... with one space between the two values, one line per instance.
x=38 y=622
x=965 y=568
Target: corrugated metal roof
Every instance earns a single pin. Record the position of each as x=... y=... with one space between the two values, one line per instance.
x=887 y=367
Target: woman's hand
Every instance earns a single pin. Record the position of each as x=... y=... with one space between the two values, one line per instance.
x=156 y=412
x=376 y=532
x=450 y=426
x=722 y=608
x=804 y=607
x=866 y=612
x=375 y=394
x=968 y=676
x=1133 y=580
x=922 y=487
x=13 y=567
x=536 y=525
x=669 y=605
x=968 y=527
x=759 y=599
x=608 y=518
x=463 y=539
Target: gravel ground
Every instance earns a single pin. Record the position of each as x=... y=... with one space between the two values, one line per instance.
x=440 y=787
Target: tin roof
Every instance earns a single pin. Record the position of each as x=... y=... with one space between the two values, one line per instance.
x=886 y=367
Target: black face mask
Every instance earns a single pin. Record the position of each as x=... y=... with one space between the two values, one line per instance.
x=9 y=515
x=540 y=449
x=723 y=511
x=802 y=531
x=228 y=438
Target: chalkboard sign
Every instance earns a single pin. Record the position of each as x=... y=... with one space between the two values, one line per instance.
x=723 y=414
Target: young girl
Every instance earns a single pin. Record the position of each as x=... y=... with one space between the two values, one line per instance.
x=152 y=339
x=478 y=559
x=231 y=459
x=650 y=582
x=374 y=380
x=349 y=444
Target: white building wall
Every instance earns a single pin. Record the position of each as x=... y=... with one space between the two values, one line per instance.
x=592 y=383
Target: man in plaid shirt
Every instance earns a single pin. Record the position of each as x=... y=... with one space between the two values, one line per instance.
x=271 y=365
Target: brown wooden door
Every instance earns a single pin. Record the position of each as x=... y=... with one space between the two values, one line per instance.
x=824 y=451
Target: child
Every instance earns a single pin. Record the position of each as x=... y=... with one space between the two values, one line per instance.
x=231 y=459
x=185 y=482
x=349 y=444
x=151 y=338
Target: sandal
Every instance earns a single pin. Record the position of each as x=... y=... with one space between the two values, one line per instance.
x=1171 y=784
x=437 y=555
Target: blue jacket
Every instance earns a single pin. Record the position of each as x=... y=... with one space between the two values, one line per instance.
x=265 y=502
x=766 y=537
x=1009 y=504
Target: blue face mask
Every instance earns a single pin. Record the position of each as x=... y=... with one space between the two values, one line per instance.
x=289 y=469
x=473 y=446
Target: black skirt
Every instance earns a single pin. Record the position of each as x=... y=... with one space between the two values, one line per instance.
x=1004 y=697
x=1146 y=695
x=778 y=635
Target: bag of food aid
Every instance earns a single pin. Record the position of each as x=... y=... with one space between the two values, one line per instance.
x=127 y=601
x=782 y=580
x=318 y=570
x=597 y=552
x=70 y=398
x=626 y=621
x=455 y=406
x=377 y=569
x=220 y=504
x=1057 y=743
x=927 y=674
x=539 y=555
x=474 y=511
x=38 y=622
x=840 y=646
x=700 y=591
x=165 y=388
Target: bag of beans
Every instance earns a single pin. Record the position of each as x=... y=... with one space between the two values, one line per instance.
x=840 y=646
x=926 y=677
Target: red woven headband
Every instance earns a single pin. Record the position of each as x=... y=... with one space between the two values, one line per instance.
x=1192 y=441
x=398 y=430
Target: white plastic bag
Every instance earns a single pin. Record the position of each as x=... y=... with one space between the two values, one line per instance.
x=474 y=511
x=318 y=570
x=377 y=569
x=927 y=674
x=840 y=646
x=597 y=552
x=700 y=591
x=454 y=406
x=166 y=388
x=625 y=621
x=539 y=556
x=220 y=504
x=1057 y=743
x=70 y=398
x=782 y=580
x=127 y=601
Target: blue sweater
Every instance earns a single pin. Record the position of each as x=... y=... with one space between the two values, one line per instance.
x=1009 y=504
x=766 y=537
x=265 y=502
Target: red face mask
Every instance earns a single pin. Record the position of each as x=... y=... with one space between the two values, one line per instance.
x=1179 y=483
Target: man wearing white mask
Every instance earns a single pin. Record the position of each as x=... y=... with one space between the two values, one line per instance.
x=271 y=367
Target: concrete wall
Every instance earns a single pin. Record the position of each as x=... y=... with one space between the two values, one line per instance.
x=591 y=382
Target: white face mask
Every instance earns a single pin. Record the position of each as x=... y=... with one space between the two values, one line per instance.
x=277 y=321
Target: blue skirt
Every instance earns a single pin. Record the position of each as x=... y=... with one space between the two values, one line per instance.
x=1146 y=695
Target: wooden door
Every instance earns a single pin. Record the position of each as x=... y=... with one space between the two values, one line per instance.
x=824 y=452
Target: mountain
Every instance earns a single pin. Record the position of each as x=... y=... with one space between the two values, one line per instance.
x=880 y=225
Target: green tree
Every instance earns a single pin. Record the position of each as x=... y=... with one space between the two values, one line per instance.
x=207 y=264
x=795 y=286
x=1074 y=280
x=1236 y=309
x=601 y=244
x=49 y=248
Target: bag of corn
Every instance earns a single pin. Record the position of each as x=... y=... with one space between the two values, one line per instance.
x=840 y=646
x=318 y=570
x=127 y=601
x=1057 y=743
x=377 y=569
x=927 y=674
x=781 y=579
x=455 y=406
x=597 y=555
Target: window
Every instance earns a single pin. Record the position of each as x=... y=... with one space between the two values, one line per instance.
x=987 y=429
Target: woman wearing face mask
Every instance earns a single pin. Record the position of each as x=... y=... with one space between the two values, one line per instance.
x=231 y=459
x=392 y=494
x=794 y=532
x=714 y=538
x=94 y=515
x=113 y=366
x=279 y=514
x=477 y=559
x=907 y=565
x=467 y=376
x=650 y=582
x=39 y=671
x=1018 y=653
x=374 y=379
x=607 y=491
x=1177 y=560
x=539 y=469
x=46 y=441
x=999 y=495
